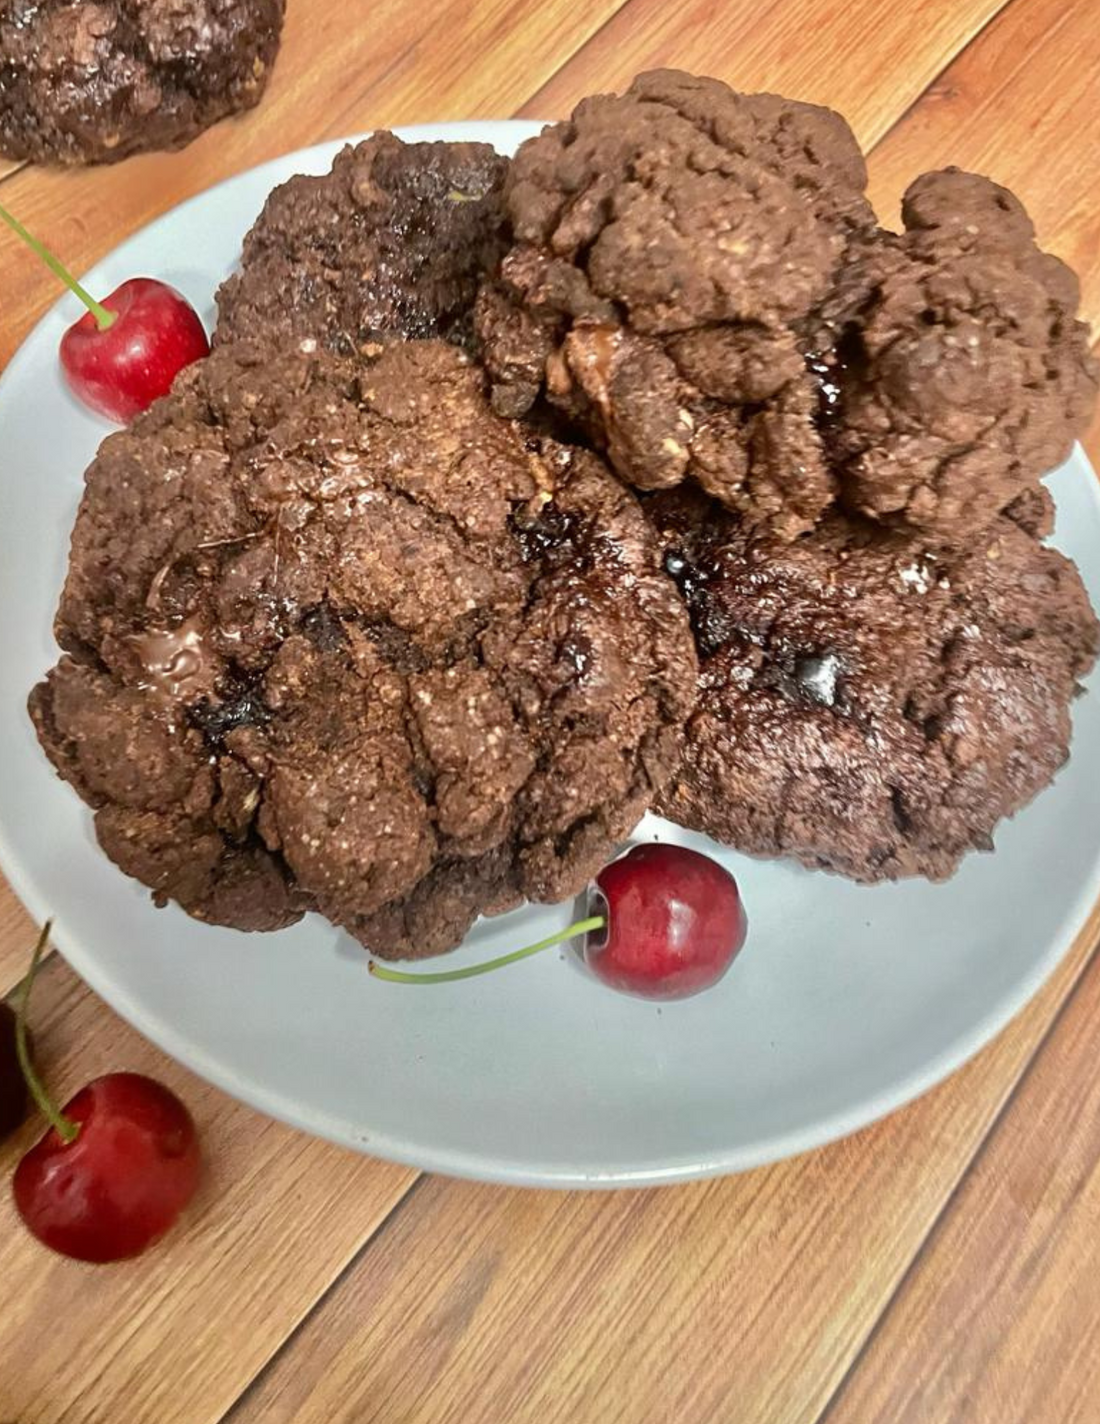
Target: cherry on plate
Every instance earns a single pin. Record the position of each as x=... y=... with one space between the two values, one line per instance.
x=664 y=922
x=121 y=368
x=674 y=922
x=125 y=351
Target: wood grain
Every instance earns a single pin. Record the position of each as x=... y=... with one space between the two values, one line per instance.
x=1022 y=104
x=1011 y=1277
x=174 y=1337
x=744 y=1299
x=870 y=59
x=412 y=62
x=17 y=933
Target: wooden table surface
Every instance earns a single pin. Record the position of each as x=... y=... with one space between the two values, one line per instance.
x=943 y=1265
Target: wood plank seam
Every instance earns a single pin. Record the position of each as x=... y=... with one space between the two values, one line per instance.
x=929 y=88
x=13 y=171
x=351 y=1265
x=355 y=103
x=981 y=1148
x=592 y=39
x=1012 y=1281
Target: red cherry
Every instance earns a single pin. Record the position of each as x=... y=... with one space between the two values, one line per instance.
x=126 y=350
x=667 y=923
x=122 y=1182
x=13 y=1090
x=121 y=369
x=675 y=921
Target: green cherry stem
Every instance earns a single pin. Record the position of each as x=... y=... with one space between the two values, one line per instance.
x=65 y=1128
x=103 y=317
x=446 y=976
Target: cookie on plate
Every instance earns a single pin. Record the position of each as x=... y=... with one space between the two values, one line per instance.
x=698 y=282
x=669 y=246
x=868 y=704
x=957 y=371
x=393 y=241
x=338 y=637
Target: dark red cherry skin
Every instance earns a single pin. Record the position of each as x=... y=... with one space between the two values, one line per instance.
x=116 y=1189
x=123 y=370
x=13 y=1090
x=675 y=921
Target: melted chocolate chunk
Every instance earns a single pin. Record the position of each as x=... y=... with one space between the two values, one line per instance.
x=867 y=705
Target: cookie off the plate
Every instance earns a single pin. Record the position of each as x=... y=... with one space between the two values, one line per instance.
x=94 y=81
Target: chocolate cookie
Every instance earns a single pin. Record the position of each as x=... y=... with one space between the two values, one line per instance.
x=958 y=374
x=698 y=282
x=393 y=241
x=339 y=637
x=93 y=81
x=669 y=247
x=868 y=705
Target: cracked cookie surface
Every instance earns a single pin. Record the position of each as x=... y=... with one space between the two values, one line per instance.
x=669 y=245
x=393 y=241
x=959 y=373
x=867 y=704
x=338 y=637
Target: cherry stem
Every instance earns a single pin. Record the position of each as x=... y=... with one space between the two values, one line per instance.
x=65 y=1128
x=103 y=317
x=446 y=976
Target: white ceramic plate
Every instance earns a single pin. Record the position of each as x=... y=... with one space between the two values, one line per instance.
x=845 y=1003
